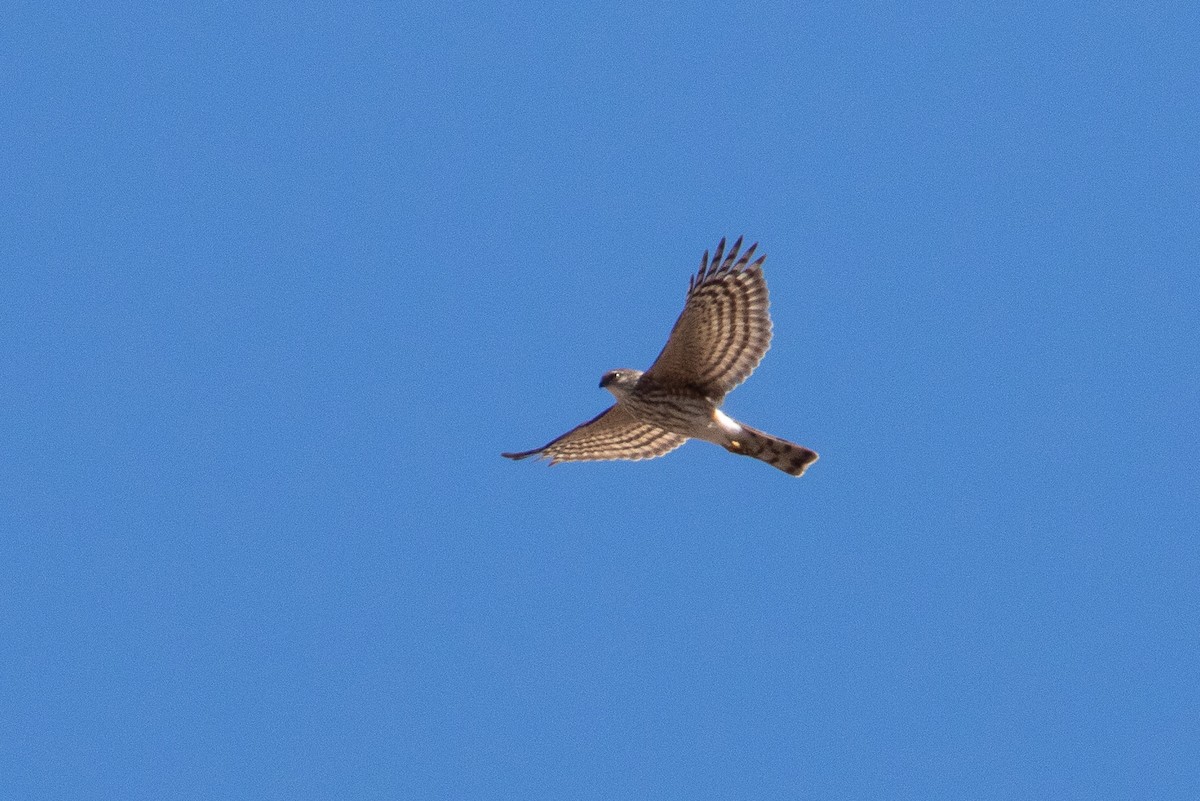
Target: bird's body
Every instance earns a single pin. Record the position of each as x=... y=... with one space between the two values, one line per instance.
x=678 y=409
x=717 y=342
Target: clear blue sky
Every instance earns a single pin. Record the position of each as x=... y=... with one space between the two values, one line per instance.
x=281 y=282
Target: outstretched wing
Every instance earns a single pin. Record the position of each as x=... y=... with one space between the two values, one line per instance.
x=725 y=328
x=613 y=434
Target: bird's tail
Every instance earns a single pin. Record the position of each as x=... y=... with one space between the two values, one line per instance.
x=787 y=456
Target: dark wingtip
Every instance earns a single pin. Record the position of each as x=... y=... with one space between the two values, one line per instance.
x=719 y=254
x=518 y=456
x=699 y=277
x=723 y=260
x=731 y=259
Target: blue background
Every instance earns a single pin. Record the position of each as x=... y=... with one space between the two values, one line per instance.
x=280 y=283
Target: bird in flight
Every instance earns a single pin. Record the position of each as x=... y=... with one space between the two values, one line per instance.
x=716 y=343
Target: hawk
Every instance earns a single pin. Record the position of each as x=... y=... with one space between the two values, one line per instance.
x=716 y=343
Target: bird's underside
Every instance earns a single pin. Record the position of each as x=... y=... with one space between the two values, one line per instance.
x=718 y=340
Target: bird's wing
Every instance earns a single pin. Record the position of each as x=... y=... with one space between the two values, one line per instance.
x=613 y=434
x=725 y=327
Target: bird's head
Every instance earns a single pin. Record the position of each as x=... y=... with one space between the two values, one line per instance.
x=619 y=382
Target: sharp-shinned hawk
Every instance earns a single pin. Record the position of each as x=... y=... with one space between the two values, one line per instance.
x=716 y=343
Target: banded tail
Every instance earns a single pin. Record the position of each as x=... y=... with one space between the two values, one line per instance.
x=787 y=456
